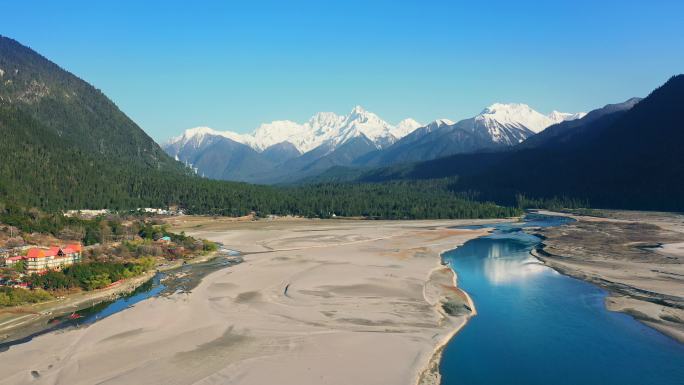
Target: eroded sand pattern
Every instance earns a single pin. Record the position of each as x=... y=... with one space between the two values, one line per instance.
x=315 y=302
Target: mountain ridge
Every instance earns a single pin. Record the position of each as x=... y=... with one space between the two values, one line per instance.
x=321 y=140
x=322 y=127
x=623 y=156
x=497 y=127
x=74 y=110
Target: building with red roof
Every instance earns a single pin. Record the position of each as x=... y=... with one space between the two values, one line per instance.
x=16 y=258
x=40 y=260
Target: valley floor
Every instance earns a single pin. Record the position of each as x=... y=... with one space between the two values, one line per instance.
x=637 y=256
x=314 y=302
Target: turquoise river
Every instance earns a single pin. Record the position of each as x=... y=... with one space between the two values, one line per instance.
x=536 y=326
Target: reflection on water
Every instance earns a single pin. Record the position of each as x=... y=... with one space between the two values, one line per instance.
x=537 y=327
x=500 y=270
x=500 y=267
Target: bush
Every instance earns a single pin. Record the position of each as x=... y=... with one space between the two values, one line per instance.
x=12 y=297
x=90 y=276
x=96 y=281
x=209 y=246
x=52 y=280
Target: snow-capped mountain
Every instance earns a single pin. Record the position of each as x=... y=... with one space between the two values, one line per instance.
x=558 y=117
x=405 y=127
x=497 y=126
x=195 y=137
x=324 y=128
x=511 y=123
x=436 y=125
x=284 y=150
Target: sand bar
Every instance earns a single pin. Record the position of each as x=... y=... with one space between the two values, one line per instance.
x=637 y=256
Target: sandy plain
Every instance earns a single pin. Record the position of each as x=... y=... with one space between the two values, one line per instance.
x=314 y=302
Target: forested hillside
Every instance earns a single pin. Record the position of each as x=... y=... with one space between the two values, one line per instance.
x=628 y=159
x=73 y=110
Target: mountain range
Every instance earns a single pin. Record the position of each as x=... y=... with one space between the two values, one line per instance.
x=283 y=151
x=65 y=145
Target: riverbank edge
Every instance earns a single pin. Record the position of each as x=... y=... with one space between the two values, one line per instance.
x=430 y=374
x=81 y=300
x=616 y=291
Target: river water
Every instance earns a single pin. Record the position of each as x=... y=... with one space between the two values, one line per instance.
x=536 y=326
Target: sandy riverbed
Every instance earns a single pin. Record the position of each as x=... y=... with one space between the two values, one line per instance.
x=315 y=302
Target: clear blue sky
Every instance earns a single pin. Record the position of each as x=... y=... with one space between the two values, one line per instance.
x=171 y=65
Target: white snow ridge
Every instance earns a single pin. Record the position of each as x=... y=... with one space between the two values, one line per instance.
x=322 y=128
x=504 y=123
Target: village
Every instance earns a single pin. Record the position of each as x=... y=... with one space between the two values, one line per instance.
x=56 y=255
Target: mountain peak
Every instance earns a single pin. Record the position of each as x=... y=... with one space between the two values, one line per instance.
x=405 y=127
x=201 y=130
x=358 y=110
x=521 y=115
x=501 y=108
x=557 y=116
x=408 y=122
x=198 y=134
x=322 y=128
x=435 y=124
x=442 y=122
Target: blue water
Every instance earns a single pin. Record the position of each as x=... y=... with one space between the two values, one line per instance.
x=150 y=289
x=535 y=326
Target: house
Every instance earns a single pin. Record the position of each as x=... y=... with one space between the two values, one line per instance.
x=11 y=261
x=85 y=213
x=54 y=258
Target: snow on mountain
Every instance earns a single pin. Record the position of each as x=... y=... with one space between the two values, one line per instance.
x=322 y=128
x=514 y=114
x=558 y=117
x=278 y=131
x=435 y=124
x=196 y=136
x=405 y=127
x=281 y=149
x=363 y=123
x=511 y=123
x=499 y=124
